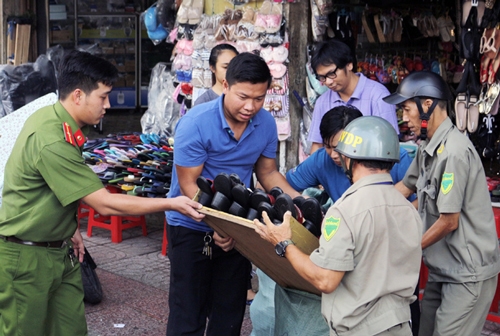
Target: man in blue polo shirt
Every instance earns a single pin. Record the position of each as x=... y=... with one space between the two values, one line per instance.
x=231 y=134
x=323 y=166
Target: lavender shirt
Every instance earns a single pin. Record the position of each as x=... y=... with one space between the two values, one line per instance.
x=367 y=97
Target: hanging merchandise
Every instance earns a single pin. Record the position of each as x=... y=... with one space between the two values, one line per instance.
x=319 y=21
x=469 y=88
x=162 y=113
x=165 y=11
x=188 y=17
x=227 y=25
x=156 y=31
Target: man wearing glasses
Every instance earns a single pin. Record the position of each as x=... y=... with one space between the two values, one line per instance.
x=332 y=62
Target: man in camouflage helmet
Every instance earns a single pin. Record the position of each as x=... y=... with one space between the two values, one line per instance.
x=459 y=242
x=368 y=261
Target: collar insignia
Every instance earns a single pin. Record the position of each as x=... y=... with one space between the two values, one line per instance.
x=79 y=137
x=440 y=149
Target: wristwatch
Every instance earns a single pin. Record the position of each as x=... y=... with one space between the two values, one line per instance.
x=280 y=248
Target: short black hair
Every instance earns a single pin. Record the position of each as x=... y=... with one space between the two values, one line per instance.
x=331 y=52
x=248 y=67
x=81 y=70
x=336 y=120
x=376 y=164
x=217 y=50
x=214 y=55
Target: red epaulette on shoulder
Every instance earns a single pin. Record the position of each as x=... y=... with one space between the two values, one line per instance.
x=68 y=133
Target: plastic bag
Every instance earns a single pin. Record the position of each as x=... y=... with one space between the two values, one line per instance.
x=91 y=285
x=159 y=19
x=298 y=313
x=24 y=83
x=163 y=112
x=55 y=54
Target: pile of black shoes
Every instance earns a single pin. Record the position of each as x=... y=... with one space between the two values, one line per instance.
x=228 y=194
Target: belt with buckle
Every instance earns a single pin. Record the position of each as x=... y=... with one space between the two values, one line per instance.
x=54 y=244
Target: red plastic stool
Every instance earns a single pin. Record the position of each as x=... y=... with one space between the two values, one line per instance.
x=424 y=274
x=83 y=211
x=116 y=224
x=496 y=298
x=164 y=244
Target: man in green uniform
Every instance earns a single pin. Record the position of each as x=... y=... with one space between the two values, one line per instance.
x=41 y=290
x=368 y=259
x=459 y=243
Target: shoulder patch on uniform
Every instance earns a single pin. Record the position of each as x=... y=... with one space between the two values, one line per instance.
x=330 y=228
x=447 y=182
x=440 y=149
x=68 y=134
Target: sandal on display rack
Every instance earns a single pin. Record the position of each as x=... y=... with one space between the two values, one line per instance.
x=461 y=111
x=472 y=114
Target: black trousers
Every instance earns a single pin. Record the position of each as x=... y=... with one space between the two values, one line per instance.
x=202 y=288
x=415 y=311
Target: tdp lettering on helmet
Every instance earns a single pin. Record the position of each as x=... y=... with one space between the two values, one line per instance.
x=350 y=139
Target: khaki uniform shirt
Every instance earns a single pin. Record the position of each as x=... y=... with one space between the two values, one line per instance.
x=373 y=234
x=45 y=176
x=448 y=176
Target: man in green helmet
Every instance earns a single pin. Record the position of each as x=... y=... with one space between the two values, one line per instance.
x=459 y=242
x=368 y=261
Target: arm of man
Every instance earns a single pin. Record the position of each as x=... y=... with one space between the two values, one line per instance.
x=315 y=146
x=187 y=179
x=323 y=279
x=108 y=204
x=187 y=182
x=446 y=223
x=404 y=189
x=269 y=176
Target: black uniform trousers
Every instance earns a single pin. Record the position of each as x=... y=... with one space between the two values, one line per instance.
x=202 y=287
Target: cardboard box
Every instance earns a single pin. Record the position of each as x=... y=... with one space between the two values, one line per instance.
x=120 y=50
x=120 y=82
x=129 y=80
x=61 y=36
x=120 y=67
x=58 y=16
x=130 y=63
x=129 y=68
x=130 y=48
x=57 y=8
x=108 y=50
x=107 y=33
x=261 y=252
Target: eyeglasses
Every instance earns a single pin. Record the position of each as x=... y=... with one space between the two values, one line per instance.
x=331 y=75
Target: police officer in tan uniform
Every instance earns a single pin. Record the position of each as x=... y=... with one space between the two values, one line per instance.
x=368 y=261
x=41 y=290
x=459 y=243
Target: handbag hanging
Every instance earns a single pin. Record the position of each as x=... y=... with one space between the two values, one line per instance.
x=91 y=285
